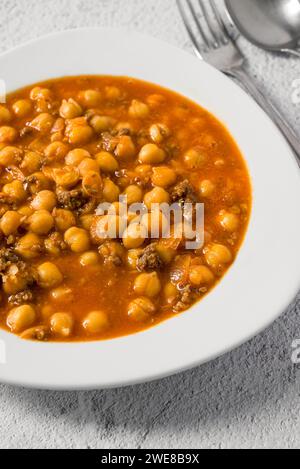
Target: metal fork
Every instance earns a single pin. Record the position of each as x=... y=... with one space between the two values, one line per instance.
x=221 y=51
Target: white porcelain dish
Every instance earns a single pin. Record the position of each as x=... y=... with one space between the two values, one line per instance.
x=266 y=274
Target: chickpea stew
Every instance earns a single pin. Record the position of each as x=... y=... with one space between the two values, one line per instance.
x=70 y=144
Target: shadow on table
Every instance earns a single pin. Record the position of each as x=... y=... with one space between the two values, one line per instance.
x=235 y=386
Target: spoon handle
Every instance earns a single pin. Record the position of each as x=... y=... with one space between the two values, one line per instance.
x=241 y=75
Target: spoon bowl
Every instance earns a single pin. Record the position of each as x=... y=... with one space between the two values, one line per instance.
x=270 y=24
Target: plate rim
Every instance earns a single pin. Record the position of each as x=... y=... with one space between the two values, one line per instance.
x=192 y=363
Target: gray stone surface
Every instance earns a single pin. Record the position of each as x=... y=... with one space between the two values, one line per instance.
x=246 y=399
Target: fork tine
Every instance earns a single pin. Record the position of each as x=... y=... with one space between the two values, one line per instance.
x=188 y=28
x=205 y=37
x=211 y=26
x=224 y=36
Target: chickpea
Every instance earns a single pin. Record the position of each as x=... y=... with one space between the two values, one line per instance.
x=112 y=252
x=38 y=182
x=21 y=318
x=43 y=123
x=62 y=295
x=155 y=222
x=134 y=236
x=58 y=130
x=31 y=162
x=92 y=184
x=15 y=190
x=106 y=227
x=8 y=134
x=159 y=132
x=141 y=309
x=151 y=154
x=89 y=258
x=133 y=257
x=62 y=324
x=147 y=285
x=29 y=246
x=96 y=322
x=139 y=110
x=64 y=219
x=70 y=109
x=170 y=293
x=219 y=163
x=41 y=222
x=47 y=311
x=217 y=255
x=44 y=200
x=87 y=165
x=200 y=275
x=10 y=156
x=38 y=93
x=102 y=123
x=163 y=176
x=78 y=239
x=134 y=194
x=195 y=158
x=157 y=196
x=5 y=115
x=156 y=100
x=90 y=98
x=10 y=222
x=22 y=108
x=14 y=283
x=166 y=253
x=49 y=275
x=207 y=188
x=107 y=162
x=86 y=221
x=229 y=221
x=25 y=211
x=80 y=134
x=38 y=333
x=125 y=148
x=75 y=157
x=144 y=171
x=56 y=151
x=111 y=192
x=112 y=93
x=67 y=176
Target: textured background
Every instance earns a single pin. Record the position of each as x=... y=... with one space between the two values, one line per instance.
x=246 y=399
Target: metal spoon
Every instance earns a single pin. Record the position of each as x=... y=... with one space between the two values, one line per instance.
x=270 y=24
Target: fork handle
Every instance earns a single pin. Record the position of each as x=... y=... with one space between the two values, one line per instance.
x=241 y=75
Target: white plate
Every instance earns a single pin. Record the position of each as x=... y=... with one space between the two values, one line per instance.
x=266 y=274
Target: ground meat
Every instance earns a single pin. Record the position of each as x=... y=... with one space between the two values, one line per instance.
x=149 y=259
x=7 y=258
x=18 y=278
x=109 y=141
x=56 y=241
x=23 y=270
x=89 y=207
x=36 y=333
x=112 y=253
x=187 y=296
x=71 y=200
x=124 y=131
x=183 y=193
x=21 y=298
